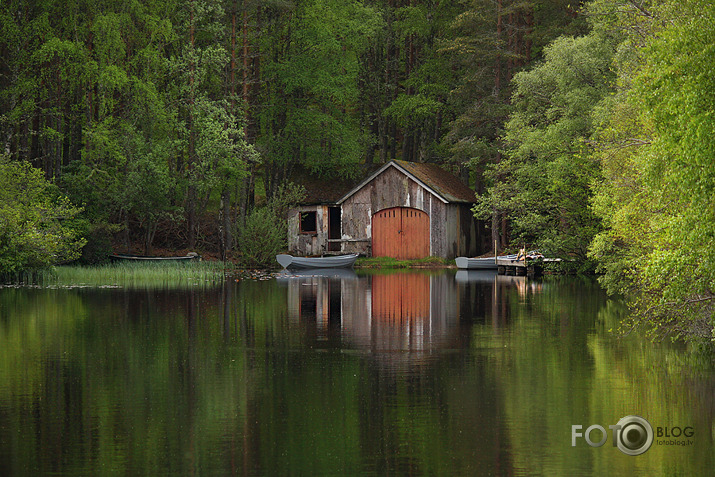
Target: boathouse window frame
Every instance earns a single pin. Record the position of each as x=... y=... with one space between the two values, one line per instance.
x=309 y=222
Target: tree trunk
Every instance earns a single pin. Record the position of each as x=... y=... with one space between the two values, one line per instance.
x=245 y=79
x=495 y=229
x=151 y=227
x=232 y=73
x=497 y=64
x=246 y=195
x=191 y=191
x=225 y=234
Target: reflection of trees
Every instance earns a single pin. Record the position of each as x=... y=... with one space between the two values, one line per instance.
x=237 y=380
x=558 y=366
x=419 y=411
x=164 y=381
x=482 y=296
x=128 y=382
x=443 y=418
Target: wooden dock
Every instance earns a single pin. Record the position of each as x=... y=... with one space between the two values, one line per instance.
x=523 y=267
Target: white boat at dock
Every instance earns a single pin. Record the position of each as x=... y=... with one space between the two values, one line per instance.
x=482 y=263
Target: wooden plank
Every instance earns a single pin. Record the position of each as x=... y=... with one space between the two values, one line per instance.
x=394 y=240
x=385 y=227
x=415 y=234
x=511 y=263
x=378 y=232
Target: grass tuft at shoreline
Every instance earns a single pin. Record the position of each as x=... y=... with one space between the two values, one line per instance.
x=388 y=262
x=129 y=275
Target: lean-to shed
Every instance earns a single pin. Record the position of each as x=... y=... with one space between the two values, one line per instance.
x=314 y=226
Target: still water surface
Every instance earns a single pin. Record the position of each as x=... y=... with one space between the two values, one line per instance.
x=379 y=374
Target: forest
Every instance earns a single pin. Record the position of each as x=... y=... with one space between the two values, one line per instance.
x=585 y=128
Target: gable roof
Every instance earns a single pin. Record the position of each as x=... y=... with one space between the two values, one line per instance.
x=442 y=184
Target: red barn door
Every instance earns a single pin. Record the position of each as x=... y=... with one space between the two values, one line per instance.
x=400 y=232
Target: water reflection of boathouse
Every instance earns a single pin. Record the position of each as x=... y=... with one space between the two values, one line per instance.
x=391 y=312
x=408 y=311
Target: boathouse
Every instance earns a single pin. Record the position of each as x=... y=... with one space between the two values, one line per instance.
x=403 y=210
x=409 y=210
x=314 y=227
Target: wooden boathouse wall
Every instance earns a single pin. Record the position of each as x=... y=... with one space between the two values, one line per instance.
x=310 y=242
x=321 y=200
x=400 y=209
x=451 y=227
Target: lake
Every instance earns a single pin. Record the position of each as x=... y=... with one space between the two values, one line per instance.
x=387 y=373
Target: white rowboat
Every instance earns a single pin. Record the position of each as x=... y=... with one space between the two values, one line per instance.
x=139 y=258
x=485 y=263
x=331 y=261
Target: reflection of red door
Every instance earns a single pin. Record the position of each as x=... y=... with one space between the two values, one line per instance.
x=400 y=297
x=401 y=233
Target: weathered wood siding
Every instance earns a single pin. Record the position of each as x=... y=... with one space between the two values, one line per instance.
x=308 y=243
x=452 y=233
x=456 y=234
x=390 y=189
x=470 y=239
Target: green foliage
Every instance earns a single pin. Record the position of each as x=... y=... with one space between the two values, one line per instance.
x=99 y=241
x=488 y=43
x=657 y=154
x=35 y=221
x=410 y=110
x=311 y=86
x=265 y=233
x=543 y=183
x=261 y=238
x=98 y=94
x=220 y=147
x=109 y=97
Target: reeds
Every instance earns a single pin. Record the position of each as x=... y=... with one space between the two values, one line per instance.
x=130 y=275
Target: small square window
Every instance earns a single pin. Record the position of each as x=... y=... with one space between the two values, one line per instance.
x=308 y=222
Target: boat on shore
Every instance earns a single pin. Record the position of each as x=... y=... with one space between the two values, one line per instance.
x=141 y=258
x=329 y=261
